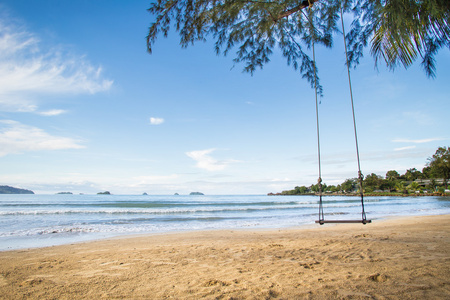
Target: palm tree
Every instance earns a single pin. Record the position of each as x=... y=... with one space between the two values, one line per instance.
x=399 y=186
x=405 y=29
x=432 y=185
x=414 y=186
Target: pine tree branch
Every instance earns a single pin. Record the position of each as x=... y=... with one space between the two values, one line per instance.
x=291 y=11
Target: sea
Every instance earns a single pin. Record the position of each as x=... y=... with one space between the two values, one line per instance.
x=29 y=221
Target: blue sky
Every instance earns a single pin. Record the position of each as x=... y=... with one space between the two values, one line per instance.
x=84 y=108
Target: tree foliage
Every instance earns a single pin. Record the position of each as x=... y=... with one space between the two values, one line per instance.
x=349 y=184
x=392 y=175
x=412 y=174
x=398 y=30
x=435 y=174
x=440 y=163
x=252 y=28
x=373 y=182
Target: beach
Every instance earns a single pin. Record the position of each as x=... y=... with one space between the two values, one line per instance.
x=401 y=258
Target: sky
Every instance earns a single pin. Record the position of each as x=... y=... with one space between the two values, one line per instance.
x=84 y=108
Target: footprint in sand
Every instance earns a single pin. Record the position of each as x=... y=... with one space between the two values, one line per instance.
x=378 y=277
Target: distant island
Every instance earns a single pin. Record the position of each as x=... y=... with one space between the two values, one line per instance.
x=196 y=193
x=64 y=193
x=104 y=193
x=176 y=194
x=5 y=189
x=144 y=194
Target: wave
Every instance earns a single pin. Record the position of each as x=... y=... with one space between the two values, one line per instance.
x=171 y=211
x=140 y=204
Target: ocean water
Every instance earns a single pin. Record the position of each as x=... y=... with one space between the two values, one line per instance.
x=45 y=220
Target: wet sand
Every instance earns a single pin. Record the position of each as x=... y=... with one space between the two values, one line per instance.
x=406 y=258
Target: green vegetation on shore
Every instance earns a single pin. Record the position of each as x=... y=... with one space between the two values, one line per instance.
x=432 y=180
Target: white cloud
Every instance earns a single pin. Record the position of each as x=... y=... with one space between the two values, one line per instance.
x=52 y=112
x=27 y=71
x=156 y=121
x=17 y=138
x=404 y=148
x=205 y=161
x=421 y=141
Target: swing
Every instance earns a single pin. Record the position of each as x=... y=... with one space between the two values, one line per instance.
x=322 y=220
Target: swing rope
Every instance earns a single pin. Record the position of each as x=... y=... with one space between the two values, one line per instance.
x=319 y=180
x=360 y=176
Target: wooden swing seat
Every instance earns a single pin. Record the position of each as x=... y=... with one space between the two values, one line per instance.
x=321 y=222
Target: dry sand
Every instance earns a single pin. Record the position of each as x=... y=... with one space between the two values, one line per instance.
x=407 y=258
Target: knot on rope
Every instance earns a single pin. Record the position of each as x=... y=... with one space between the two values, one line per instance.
x=360 y=175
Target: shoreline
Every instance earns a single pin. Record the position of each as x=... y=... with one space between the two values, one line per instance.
x=395 y=258
x=58 y=222
x=367 y=194
x=104 y=237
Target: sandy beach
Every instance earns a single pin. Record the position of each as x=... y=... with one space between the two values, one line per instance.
x=406 y=258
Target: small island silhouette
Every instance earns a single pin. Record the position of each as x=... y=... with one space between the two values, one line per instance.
x=104 y=193
x=5 y=189
x=196 y=193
